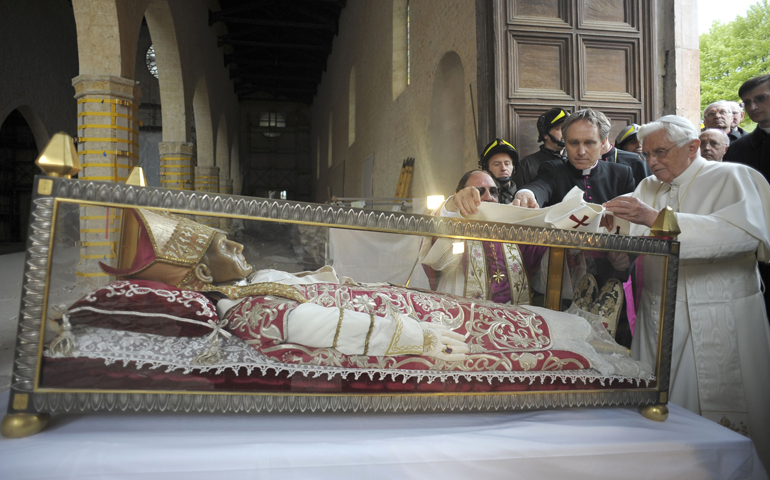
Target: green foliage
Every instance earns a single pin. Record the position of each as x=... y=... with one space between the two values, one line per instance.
x=734 y=52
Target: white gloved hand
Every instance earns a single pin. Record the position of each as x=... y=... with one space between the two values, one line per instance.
x=443 y=343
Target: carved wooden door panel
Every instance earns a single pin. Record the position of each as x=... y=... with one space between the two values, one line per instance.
x=572 y=54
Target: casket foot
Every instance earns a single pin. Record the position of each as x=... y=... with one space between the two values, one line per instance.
x=659 y=413
x=20 y=425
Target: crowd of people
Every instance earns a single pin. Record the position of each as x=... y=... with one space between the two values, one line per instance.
x=715 y=179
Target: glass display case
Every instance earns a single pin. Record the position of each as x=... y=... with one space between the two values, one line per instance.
x=146 y=299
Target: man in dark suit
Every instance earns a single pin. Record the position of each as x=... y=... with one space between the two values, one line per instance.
x=584 y=132
x=633 y=160
x=753 y=149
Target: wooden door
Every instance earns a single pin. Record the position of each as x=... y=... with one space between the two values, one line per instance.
x=572 y=54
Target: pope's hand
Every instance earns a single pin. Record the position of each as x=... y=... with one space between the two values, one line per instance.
x=525 y=199
x=442 y=343
x=632 y=209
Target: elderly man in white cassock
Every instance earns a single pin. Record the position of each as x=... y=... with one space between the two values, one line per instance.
x=720 y=365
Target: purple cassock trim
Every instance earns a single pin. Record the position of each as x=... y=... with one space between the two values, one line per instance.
x=497 y=274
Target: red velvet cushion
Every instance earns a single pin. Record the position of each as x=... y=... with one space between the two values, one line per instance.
x=147 y=307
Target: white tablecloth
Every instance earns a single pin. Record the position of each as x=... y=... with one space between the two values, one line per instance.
x=595 y=444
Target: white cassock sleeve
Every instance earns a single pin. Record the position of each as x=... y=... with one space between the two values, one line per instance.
x=354 y=333
x=706 y=236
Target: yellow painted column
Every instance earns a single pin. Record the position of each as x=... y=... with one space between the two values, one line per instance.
x=226 y=186
x=108 y=148
x=177 y=161
x=207 y=180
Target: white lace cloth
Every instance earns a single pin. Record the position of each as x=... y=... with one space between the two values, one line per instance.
x=177 y=354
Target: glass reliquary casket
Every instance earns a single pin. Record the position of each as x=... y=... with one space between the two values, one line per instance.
x=188 y=325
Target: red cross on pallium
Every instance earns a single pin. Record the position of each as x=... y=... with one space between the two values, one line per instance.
x=579 y=223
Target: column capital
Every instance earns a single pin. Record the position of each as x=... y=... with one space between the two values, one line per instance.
x=110 y=85
x=184 y=148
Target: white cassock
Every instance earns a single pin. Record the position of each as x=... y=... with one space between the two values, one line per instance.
x=720 y=365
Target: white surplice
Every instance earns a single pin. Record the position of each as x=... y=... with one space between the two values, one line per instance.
x=721 y=353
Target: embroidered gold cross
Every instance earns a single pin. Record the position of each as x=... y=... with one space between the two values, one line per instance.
x=498 y=276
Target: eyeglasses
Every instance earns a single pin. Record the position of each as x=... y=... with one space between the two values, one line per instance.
x=747 y=102
x=714 y=113
x=659 y=153
x=494 y=191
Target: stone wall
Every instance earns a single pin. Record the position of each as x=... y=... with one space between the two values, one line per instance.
x=396 y=128
x=39 y=58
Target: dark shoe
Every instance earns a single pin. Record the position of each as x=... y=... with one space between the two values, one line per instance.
x=586 y=292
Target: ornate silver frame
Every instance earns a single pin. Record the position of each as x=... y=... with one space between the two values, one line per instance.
x=26 y=400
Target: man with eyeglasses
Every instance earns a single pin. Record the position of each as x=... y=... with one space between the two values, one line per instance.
x=720 y=365
x=719 y=115
x=754 y=149
x=585 y=131
x=484 y=270
x=713 y=144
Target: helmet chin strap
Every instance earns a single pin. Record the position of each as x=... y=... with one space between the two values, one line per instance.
x=503 y=180
x=554 y=140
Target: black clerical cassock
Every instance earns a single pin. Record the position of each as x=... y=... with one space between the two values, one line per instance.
x=601 y=183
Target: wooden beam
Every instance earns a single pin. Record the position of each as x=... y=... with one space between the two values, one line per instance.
x=293 y=46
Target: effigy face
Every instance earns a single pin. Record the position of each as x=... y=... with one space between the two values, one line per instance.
x=150 y=299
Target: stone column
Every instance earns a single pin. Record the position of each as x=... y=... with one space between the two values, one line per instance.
x=176 y=165
x=108 y=147
x=678 y=59
x=226 y=186
x=207 y=180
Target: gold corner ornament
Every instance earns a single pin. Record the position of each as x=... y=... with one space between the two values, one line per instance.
x=136 y=177
x=20 y=425
x=666 y=225
x=658 y=413
x=59 y=157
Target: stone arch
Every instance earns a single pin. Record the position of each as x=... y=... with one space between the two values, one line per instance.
x=399 y=47
x=446 y=131
x=222 y=150
x=204 y=134
x=163 y=33
x=329 y=158
x=36 y=125
x=235 y=167
x=108 y=32
x=19 y=148
x=352 y=107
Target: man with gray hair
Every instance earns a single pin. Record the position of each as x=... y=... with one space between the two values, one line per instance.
x=720 y=365
x=584 y=133
x=719 y=115
x=713 y=144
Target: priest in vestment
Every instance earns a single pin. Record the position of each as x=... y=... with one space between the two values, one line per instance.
x=720 y=364
x=483 y=270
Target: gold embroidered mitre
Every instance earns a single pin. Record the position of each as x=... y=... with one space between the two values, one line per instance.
x=167 y=249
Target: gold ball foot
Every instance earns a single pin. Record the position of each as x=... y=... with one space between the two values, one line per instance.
x=659 y=413
x=20 y=425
